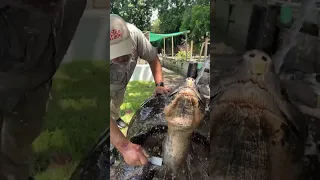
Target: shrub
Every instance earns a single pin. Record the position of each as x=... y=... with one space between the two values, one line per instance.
x=181 y=55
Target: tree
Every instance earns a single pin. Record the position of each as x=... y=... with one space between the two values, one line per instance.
x=137 y=12
x=155 y=26
x=170 y=14
x=178 y=15
x=197 y=20
x=173 y=15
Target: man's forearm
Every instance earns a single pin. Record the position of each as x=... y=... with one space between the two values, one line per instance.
x=118 y=140
x=156 y=70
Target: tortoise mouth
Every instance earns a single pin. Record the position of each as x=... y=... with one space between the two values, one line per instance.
x=188 y=99
x=188 y=92
x=186 y=95
x=184 y=111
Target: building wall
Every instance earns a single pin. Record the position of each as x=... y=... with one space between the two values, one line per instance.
x=90 y=40
x=238 y=31
x=221 y=14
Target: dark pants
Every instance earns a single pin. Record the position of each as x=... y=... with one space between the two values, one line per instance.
x=19 y=129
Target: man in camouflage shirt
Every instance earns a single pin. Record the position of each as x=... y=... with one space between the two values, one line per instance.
x=127 y=44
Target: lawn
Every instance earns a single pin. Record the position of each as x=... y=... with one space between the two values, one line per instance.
x=77 y=114
x=136 y=93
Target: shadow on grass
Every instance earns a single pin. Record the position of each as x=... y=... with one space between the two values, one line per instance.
x=78 y=113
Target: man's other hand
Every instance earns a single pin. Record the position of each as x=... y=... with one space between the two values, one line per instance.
x=134 y=155
x=161 y=90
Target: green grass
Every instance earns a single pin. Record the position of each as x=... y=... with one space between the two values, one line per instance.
x=136 y=93
x=77 y=114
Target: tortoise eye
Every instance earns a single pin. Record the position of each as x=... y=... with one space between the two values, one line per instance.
x=264 y=58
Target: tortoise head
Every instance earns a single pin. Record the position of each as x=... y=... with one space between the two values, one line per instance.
x=185 y=107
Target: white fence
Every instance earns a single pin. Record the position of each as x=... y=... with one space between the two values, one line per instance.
x=142 y=72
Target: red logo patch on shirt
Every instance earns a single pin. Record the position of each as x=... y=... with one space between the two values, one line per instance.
x=115 y=34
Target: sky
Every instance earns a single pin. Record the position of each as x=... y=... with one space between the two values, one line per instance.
x=154 y=15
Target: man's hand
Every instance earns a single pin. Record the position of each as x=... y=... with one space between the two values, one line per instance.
x=157 y=75
x=161 y=90
x=134 y=155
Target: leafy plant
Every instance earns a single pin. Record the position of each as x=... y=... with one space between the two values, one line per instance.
x=182 y=55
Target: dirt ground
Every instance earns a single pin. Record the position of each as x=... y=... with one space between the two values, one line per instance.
x=171 y=79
